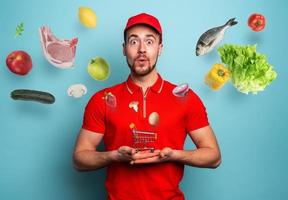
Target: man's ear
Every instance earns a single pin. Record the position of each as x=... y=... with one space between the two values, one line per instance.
x=160 y=49
x=124 y=51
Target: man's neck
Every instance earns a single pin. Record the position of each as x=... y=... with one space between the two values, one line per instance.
x=145 y=81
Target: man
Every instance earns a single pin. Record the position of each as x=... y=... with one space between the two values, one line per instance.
x=144 y=125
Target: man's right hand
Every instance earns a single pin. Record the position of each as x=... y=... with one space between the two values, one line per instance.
x=125 y=153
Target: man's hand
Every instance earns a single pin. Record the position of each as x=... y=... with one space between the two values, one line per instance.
x=157 y=156
x=125 y=153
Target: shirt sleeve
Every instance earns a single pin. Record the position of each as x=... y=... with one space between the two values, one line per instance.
x=196 y=116
x=94 y=115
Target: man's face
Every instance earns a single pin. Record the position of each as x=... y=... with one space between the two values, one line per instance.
x=142 y=48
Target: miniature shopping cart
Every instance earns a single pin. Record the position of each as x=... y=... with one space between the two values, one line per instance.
x=144 y=140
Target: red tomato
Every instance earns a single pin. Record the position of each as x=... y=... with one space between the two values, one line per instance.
x=19 y=62
x=256 y=22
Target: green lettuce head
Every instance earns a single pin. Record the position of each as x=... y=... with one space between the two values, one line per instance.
x=250 y=72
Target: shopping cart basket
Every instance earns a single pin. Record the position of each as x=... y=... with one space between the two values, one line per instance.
x=144 y=140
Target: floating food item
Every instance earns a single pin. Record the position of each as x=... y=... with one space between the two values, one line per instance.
x=250 y=70
x=257 y=22
x=19 y=29
x=60 y=53
x=217 y=77
x=110 y=99
x=87 y=17
x=77 y=90
x=132 y=126
x=134 y=105
x=212 y=37
x=99 y=69
x=33 y=95
x=154 y=119
x=181 y=90
x=19 y=62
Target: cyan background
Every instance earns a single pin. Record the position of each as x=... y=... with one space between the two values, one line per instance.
x=36 y=141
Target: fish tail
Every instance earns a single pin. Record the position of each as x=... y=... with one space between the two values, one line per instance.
x=231 y=22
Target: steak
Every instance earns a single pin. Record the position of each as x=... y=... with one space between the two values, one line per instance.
x=60 y=53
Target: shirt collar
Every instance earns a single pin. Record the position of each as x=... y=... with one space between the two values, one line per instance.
x=156 y=87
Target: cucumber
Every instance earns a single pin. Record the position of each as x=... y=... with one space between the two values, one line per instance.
x=33 y=95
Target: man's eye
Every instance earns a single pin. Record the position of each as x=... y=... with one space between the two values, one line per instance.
x=149 y=42
x=133 y=42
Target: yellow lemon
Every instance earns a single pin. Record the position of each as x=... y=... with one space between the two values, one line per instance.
x=87 y=17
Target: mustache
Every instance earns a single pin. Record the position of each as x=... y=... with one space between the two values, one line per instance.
x=141 y=56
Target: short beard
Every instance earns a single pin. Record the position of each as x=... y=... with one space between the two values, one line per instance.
x=144 y=73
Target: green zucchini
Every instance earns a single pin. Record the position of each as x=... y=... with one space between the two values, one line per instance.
x=33 y=95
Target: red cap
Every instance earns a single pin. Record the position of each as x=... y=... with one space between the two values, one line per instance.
x=145 y=19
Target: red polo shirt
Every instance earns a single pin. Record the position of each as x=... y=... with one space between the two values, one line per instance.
x=121 y=109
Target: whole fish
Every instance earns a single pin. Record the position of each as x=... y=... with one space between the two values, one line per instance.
x=212 y=37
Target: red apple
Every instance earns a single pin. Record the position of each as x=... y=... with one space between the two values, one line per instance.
x=19 y=62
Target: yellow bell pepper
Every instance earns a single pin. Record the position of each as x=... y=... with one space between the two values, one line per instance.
x=217 y=76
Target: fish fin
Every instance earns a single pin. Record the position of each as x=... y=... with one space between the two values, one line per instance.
x=231 y=22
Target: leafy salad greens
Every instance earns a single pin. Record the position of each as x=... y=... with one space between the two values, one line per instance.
x=250 y=71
